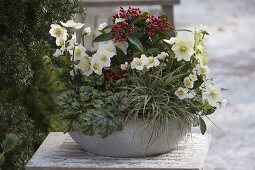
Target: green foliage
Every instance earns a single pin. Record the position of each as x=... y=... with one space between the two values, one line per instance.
x=136 y=42
x=9 y=143
x=2 y=159
x=13 y=55
x=202 y=125
x=102 y=121
x=14 y=120
x=88 y=110
x=102 y=37
x=120 y=57
x=25 y=82
x=152 y=97
x=37 y=97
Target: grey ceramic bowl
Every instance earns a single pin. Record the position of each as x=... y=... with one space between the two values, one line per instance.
x=135 y=140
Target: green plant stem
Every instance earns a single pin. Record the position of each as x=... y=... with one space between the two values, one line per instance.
x=83 y=40
x=74 y=74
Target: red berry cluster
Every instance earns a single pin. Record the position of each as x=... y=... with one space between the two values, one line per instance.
x=121 y=31
x=111 y=76
x=131 y=13
x=156 y=24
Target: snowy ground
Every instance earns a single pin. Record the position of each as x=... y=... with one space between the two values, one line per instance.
x=231 y=53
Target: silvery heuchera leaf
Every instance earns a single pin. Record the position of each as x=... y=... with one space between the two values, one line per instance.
x=109 y=124
x=85 y=93
x=98 y=103
x=93 y=80
x=118 y=100
x=88 y=129
x=104 y=122
x=66 y=101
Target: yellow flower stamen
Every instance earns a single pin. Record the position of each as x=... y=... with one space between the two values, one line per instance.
x=77 y=52
x=213 y=94
x=87 y=65
x=57 y=31
x=103 y=57
x=150 y=60
x=180 y=93
x=96 y=66
x=138 y=62
x=183 y=49
x=187 y=83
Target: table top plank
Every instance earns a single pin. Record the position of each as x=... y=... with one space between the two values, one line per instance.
x=101 y=3
x=60 y=152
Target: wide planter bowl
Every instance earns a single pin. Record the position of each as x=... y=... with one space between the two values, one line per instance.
x=137 y=139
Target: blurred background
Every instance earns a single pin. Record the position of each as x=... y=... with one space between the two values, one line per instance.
x=27 y=110
x=231 y=53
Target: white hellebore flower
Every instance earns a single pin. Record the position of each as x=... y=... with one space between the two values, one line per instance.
x=183 y=49
x=104 y=57
x=107 y=45
x=87 y=31
x=172 y=40
x=188 y=83
x=152 y=62
x=57 y=31
x=96 y=65
x=102 y=26
x=223 y=103
x=85 y=66
x=58 y=53
x=182 y=93
x=162 y=55
x=139 y=63
x=123 y=46
x=202 y=70
x=212 y=94
x=72 y=24
x=124 y=66
x=193 y=77
x=61 y=41
x=79 y=52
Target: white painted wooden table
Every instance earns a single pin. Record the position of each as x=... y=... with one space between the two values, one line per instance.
x=60 y=152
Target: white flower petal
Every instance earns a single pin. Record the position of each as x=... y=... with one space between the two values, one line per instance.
x=124 y=66
x=87 y=31
x=102 y=26
x=72 y=24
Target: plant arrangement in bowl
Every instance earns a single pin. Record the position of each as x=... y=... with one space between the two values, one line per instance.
x=140 y=92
